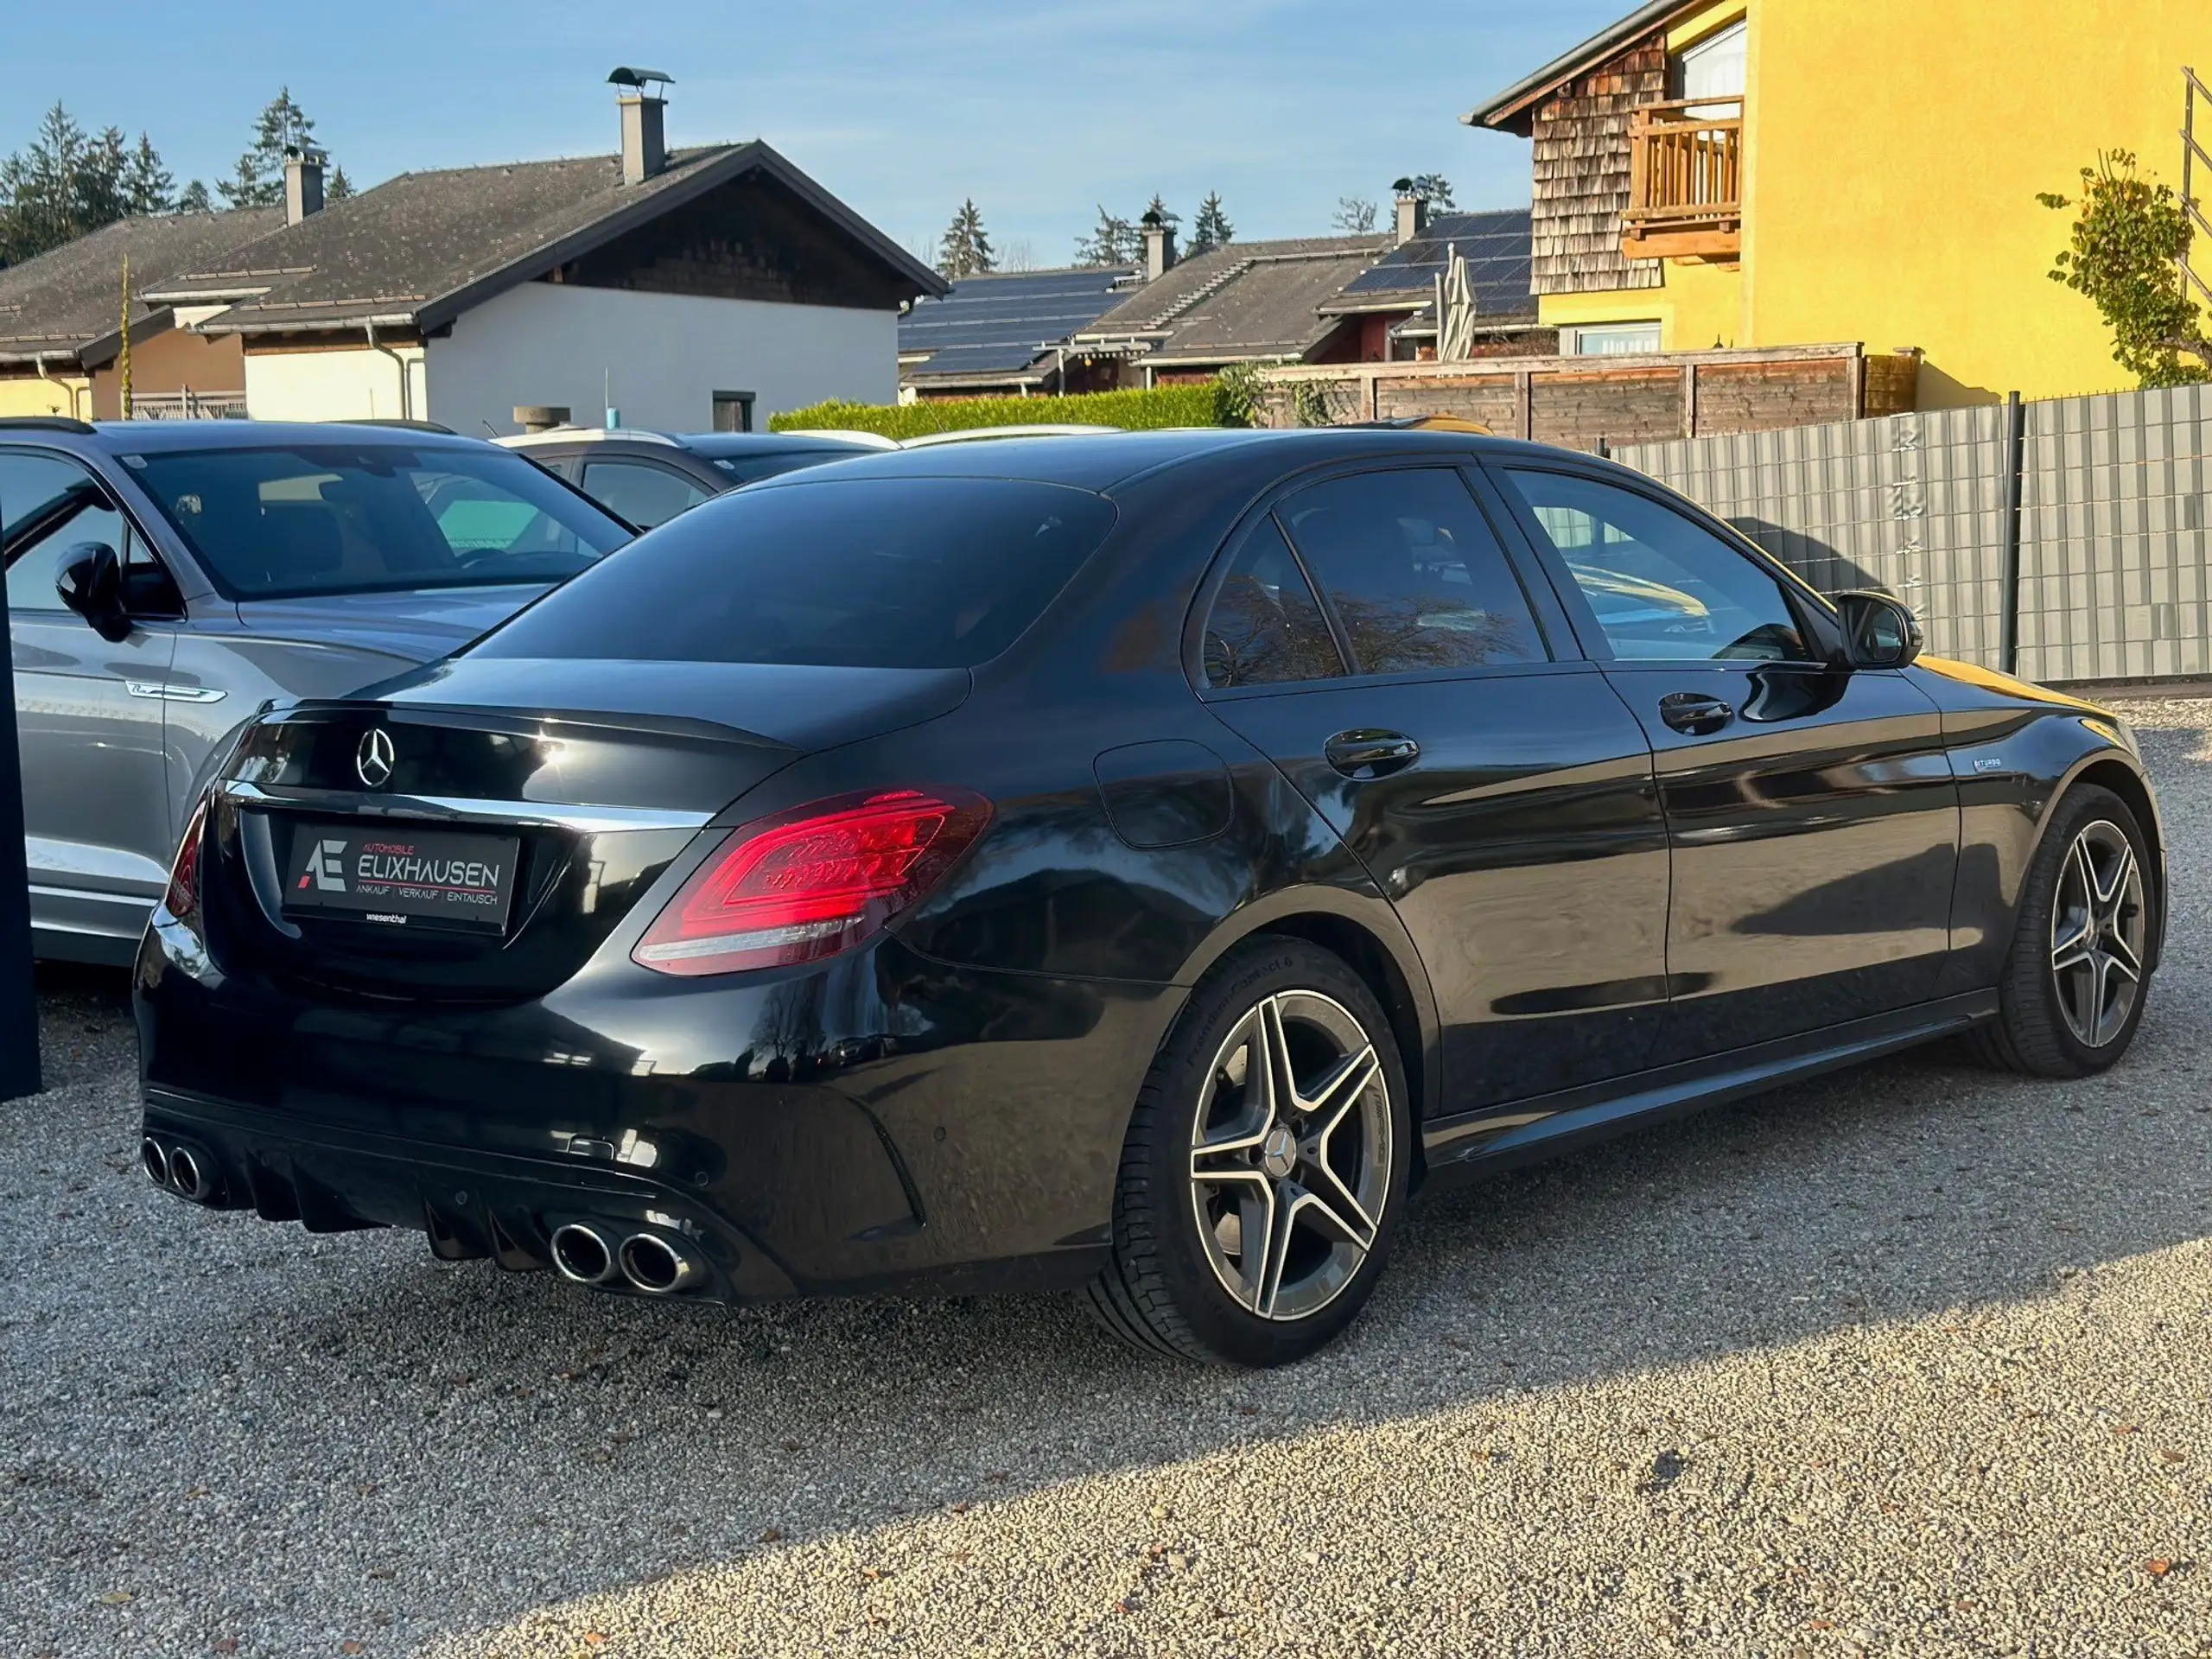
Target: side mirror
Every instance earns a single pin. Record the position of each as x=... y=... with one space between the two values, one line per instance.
x=1878 y=631
x=90 y=584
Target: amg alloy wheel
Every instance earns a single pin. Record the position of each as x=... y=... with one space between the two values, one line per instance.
x=2084 y=947
x=2098 y=934
x=1265 y=1164
x=1290 y=1155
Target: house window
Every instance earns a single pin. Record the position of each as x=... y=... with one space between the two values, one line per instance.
x=1712 y=68
x=734 y=411
x=1610 y=340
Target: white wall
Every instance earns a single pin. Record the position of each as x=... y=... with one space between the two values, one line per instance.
x=545 y=343
x=324 y=386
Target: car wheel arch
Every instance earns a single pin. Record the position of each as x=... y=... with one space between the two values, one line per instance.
x=1366 y=936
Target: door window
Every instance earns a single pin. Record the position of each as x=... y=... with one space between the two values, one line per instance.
x=1662 y=588
x=1611 y=340
x=1266 y=628
x=637 y=490
x=48 y=508
x=1714 y=67
x=1417 y=578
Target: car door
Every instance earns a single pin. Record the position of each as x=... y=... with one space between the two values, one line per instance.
x=1372 y=635
x=643 y=492
x=89 y=714
x=1811 y=808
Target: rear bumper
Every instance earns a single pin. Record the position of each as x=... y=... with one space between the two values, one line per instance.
x=471 y=1205
x=880 y=1122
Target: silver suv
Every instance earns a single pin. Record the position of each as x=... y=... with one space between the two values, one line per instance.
x=167 y=580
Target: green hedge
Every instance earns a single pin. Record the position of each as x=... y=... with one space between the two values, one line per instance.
x=1204 y=404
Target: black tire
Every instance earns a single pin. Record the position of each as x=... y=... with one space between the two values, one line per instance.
x=2035 y=1033
x=1165 y=1289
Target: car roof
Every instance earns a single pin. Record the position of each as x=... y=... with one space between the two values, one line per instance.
x=155 y=437
x=1103 y=462
x=706 y=444
x=711 y=444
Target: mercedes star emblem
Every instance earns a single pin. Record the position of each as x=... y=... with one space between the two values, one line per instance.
x=373 y=759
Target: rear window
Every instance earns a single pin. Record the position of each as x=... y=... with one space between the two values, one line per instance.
x=874 y=572
x=280 y=523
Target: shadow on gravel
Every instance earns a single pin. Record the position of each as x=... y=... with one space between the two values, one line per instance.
x=341 y=1401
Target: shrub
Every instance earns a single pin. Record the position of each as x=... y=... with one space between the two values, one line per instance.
x=2129 y=240
x=1203 y=404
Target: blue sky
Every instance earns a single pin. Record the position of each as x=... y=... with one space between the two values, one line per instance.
x=1038 y=110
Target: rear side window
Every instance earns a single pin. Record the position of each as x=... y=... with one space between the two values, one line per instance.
x=875 y=573
x=1266 y=628
x=647 y=495
x=1417 y=578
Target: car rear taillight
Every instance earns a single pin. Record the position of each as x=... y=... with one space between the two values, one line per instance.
x=811 y=883
x=183 y=895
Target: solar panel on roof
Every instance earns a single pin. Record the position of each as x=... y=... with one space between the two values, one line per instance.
x=1494 y=245
x=990 y=324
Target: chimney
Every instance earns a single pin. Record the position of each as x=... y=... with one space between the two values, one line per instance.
x=645 y=150
x=302 y=183
x=1413 y=213
x=1159 y=247
x=541 y=418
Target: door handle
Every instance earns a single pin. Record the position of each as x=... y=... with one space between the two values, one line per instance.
x=1366 y=753
x=1694 y=714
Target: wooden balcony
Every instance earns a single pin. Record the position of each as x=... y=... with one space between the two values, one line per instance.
x=1686 y=180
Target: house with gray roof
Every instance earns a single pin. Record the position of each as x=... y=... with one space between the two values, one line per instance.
x=62 y=318
x=1331 y=299
x=1247 y=302
x=686 y=289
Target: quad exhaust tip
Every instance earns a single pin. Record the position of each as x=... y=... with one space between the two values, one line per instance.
x=657 y=1266
x=182 y=1168
x=191 y=1173
x=583 y=1255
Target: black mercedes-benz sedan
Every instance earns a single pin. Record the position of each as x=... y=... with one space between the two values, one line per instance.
x=1134 y=862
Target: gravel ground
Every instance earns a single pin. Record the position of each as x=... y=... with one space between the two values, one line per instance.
x=1912 y=1361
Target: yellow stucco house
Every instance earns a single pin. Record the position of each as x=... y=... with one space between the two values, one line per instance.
x=1766 y=173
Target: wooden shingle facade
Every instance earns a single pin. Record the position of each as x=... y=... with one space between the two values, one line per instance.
x=1580 y=134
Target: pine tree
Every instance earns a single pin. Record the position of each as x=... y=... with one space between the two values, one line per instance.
x=1211 y=228
x=99 y=188
x=194 y=199
x=1431 y=188
x=1113 y=242
x=258 y=180
x=59 y=186
x=147 y=186
x=337 y=186
x=966 y=248
x=1155 y=213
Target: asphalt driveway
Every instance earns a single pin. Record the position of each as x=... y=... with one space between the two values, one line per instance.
x=1912 y=1361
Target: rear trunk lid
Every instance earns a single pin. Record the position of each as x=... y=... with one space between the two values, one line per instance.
x=415 y=625
x=476 y=829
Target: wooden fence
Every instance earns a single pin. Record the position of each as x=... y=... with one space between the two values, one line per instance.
x=1581 y=403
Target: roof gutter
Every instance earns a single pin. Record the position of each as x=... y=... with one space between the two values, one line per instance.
x=406 y=380
x=1522 y=93
x=38 y=360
